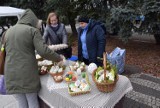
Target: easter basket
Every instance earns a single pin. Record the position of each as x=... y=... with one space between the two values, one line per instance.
x=57 y=80
x=77 y=65
x=56 y=74
x=60 y=73
x=47 y=70
x=42 y=72
x=72 y=93
x=105 y=86
x=78 y=93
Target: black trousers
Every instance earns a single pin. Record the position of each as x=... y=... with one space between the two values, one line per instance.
x=86 y=61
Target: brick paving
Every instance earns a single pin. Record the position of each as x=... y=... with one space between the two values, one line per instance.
x=146 y=90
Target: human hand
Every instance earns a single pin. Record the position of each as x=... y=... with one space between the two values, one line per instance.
x=62 y=61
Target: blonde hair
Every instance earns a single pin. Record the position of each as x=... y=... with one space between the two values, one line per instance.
x=51 y=15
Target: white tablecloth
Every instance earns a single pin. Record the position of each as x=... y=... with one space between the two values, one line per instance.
x=56 y=94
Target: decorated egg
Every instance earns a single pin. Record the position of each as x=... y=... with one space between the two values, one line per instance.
x=82 y=64
x=74 y=67
x=83 y=75
x=75 y=89
x=78 y=71
x=77 y=64
x=82 y=68
x=56 y=68
x=83 y=81
x=100 y=72
x=86 y=88
x=67 y=75
x=60 y=70
x=71 y=68
x=77 y=83
x=82 y=85
x=59 y=77
x=67 y=79
x=70 y=76
x=74 y=78
x=92 y=67
x=70 y=72
x=71 y=85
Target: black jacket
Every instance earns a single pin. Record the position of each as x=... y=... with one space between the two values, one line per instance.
x=95 y=42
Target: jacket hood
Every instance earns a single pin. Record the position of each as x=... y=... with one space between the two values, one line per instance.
x=28 y=18
x=92 y=23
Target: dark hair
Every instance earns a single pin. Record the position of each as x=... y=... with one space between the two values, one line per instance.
x=83 y=19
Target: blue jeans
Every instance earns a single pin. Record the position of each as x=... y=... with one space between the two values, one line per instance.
x=29 y=100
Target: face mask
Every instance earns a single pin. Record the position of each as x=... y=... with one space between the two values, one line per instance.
x=54 y=25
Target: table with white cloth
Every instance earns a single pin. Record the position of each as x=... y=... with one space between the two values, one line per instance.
x=56 y=95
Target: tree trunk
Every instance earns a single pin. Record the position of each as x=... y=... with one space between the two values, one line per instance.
x=157 y=38
x=73 y=27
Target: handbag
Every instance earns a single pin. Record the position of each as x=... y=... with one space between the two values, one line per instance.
x=2 y=55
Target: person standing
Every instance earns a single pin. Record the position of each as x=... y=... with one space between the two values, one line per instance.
x=91 y=41
x=55 y=33
x=21 y=69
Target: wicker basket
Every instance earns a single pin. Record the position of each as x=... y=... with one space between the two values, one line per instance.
x=104 y=86
x=81 y=92
x=77 y=93
x=57 y=74
x=58 y=81
x=83 y=69
x=44 y=72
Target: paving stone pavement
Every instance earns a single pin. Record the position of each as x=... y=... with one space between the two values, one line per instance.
x=145 y=94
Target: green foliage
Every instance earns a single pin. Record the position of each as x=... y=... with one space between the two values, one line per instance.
x=66 y=9
x=35 y=5
x=123 y=17
x=118 y=14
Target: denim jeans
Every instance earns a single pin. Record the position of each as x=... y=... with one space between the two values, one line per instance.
x=29 y=100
